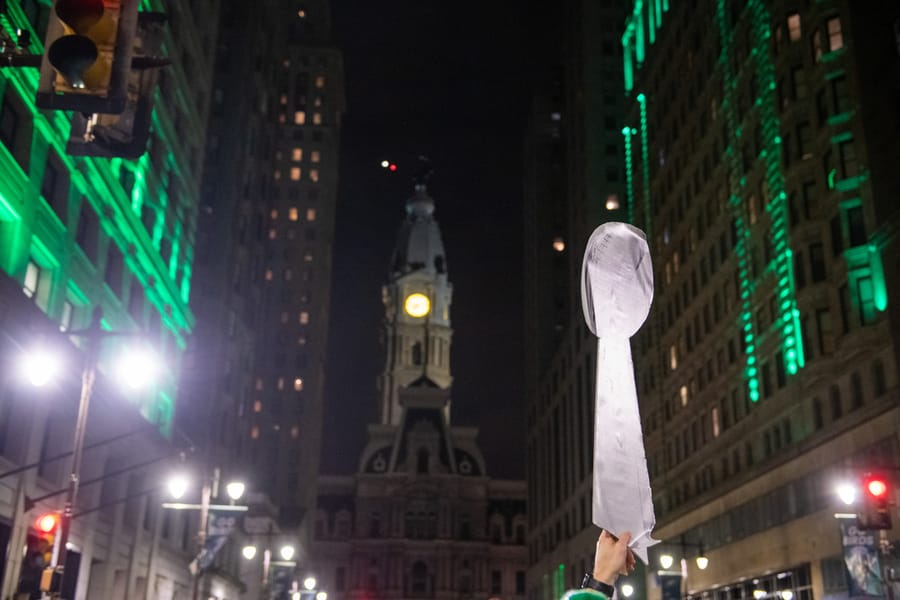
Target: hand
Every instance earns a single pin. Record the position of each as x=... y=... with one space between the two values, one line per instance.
x=613 y=558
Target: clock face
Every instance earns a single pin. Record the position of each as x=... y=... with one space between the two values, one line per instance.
x=417 y=305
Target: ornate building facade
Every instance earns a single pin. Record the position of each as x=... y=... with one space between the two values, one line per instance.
x=420 y=518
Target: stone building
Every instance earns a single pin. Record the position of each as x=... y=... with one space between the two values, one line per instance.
x=420 y=518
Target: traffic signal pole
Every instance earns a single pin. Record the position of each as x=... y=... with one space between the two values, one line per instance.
x=88 y=376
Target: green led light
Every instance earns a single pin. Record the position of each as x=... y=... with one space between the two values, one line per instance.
x=879 y=287
x=629 y=173
x=645 y=160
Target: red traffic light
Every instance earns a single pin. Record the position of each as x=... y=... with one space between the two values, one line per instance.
x=393 y=167
x=877 y=488
x=47 y=523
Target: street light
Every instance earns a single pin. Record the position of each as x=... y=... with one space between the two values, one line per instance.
x=249 y=552
x=40 y=367
x=309 y=583
x=846 y=492
x=235 y=489
x=178 y=486
x=702 y=562
x=666 y=561
x=322 y=596
x=286 y=552
x=627 y=590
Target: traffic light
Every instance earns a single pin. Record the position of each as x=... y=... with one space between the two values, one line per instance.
x=87 y=56
x=39 y=549
x=875 y=512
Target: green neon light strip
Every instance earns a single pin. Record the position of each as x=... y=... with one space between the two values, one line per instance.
x=788 y=313
x=627 y=132
x=645 y=160
x=878 y=284
x=738 y=183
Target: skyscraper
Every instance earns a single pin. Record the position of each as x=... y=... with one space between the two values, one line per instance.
x=265 y=248
x=759 y=134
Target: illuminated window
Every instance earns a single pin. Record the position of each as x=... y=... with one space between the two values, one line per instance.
x=835 y=37
x=254 y=432
x=274 y=214
x=793 y=22
x=282 y=119
x=715 y=421
x=301 y=13
x=293 y=213
x=558 y=244
x=277 y=174
x=268 y=274
x=301 y=341
x=314 y=175
x=295 y=173
x=281 y=383
x=673 y=357
x=304 y=317
x=295 y=431
x=317 y=101
x=684 y=395
x=259 y=383
x=307 y=256
x=297 y=154
x=273 y=234
x=32 y=277
x=298 y=384
x=283 y=99
x=317 y=118
x=316 y=156
x=612 y=202
x=320 y=81
x=310 y=214
x=257 y=406
x=299 y=118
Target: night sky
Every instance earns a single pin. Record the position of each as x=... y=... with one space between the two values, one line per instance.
x=447 y=80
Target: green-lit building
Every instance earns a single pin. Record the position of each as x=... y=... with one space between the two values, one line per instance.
x=80 y=233
x=762 y=165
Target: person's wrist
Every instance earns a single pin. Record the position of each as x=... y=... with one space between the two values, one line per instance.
x=605 y=576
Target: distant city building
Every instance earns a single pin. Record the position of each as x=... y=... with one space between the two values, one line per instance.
x=762 y=165
x=421 y=518
x=78 y=234
x=575 y=180
x=264 y=254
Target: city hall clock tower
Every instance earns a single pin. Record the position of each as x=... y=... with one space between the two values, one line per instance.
x=417 y=297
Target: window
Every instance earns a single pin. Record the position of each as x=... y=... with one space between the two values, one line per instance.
x=826 y=337
x=300 y=118
x=88 y=229
x=804 y=141
x=304 y=317
x=793 y=23
x=293 y=213
x=295 y=173
x=314 y=175
x=878 y=378
x=295 y=432
x=16 y=128
x=847 y=155
x=257 y=406
x=55 y=185
x=520 y=583
x=837 y=236
x=798 y=78
x=817 y=262
x=865 y=296
x=320 y=81
x=817 y=46
x=298 y=384
x=254 y=432
x=856 y=390
x=114 y=269
x=856 y=226
x=834 y=396
x=32 y=279
x=835 y=37
x=315 y=156
x=818 y=419
x=310 y=215
x=65 y=317
x=297 y=154
x=496 y=577
x=317 y=118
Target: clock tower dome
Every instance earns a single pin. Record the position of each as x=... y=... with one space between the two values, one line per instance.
x=417 y=296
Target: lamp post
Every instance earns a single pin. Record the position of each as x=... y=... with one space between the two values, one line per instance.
x=178 y=487
x=40 y=370
x=286 y=554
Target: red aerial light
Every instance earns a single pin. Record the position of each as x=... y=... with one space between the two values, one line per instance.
x=877 y=488
x=47 y=523
x=393 y=167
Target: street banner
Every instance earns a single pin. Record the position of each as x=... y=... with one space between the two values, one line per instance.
x=861 y=561
x=219 y=527
x=670 y=585
x=616 y=293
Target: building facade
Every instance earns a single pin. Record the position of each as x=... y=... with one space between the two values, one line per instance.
x=421 y=518
x=77 y=234
x=575 y=180
x=760 y=140
x=264 y=255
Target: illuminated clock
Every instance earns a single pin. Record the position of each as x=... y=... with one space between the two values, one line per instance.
x=417 y=305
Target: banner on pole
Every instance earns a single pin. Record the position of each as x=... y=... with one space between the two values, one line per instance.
x=219 y=527
x=861 y=561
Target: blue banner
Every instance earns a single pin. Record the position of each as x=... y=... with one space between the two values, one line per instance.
x=671 y=587
x=861 y=561
x=218 y=528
